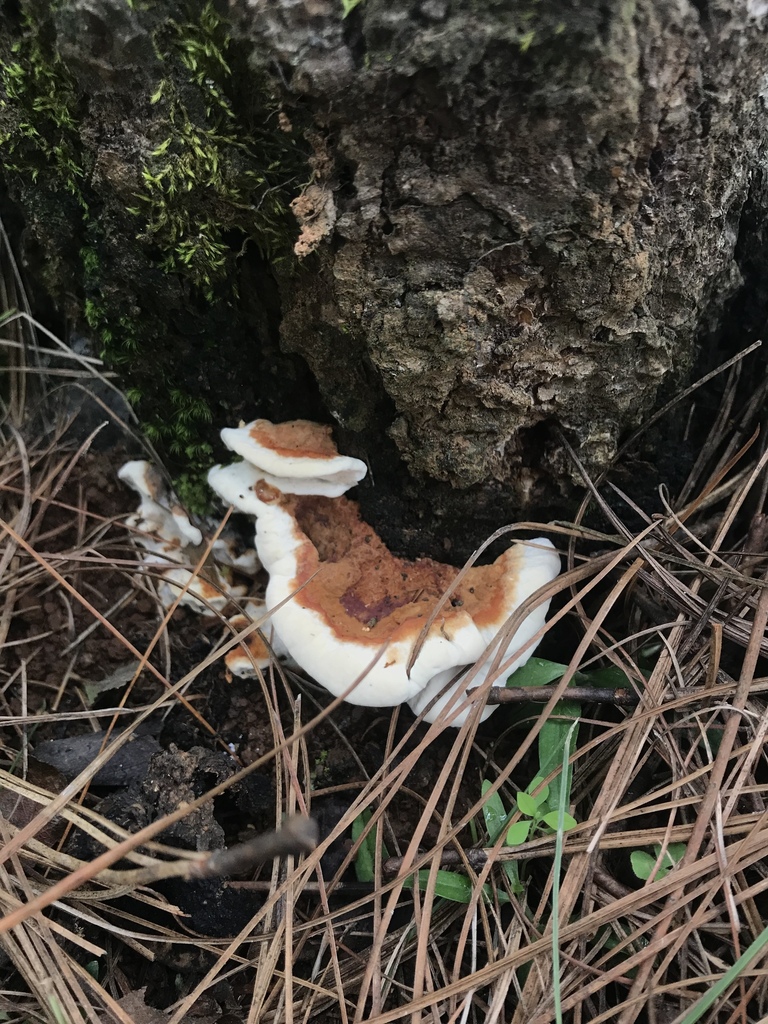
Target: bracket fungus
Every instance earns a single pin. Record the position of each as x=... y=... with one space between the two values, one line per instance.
x=347 y=610
x=253 y=654
x=165 y=524
x=168 y=539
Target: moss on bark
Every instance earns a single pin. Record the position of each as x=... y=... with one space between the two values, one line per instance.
x=141 y=168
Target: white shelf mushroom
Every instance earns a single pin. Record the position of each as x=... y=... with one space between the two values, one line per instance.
x=168 y=538
x=298 y=451
x=252 y=654
x=166 y=528
x=347 y=610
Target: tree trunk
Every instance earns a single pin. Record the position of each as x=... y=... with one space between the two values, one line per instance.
x=509 y=217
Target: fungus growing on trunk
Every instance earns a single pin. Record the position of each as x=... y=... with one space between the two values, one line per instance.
x=168 y=539
x=298 y=456
x=163 y=523
x=348 y=611
x=253 y=654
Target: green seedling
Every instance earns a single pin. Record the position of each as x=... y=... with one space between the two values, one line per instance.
x=542 y=805
x=365 y=860
x=539 y=804
x=556 y=736
x=449 y=885
x=540 y=810
x=496 y=819
x=648 y=866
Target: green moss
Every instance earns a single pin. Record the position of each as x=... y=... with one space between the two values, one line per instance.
x=321 y=770
x=90 y=261
x=172 y=419
x=40 y=110
x=213 y=182
x=209 y=175
x=178 y=429
x=193 y=491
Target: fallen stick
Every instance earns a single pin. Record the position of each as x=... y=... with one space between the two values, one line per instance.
x=298 y=835
x=622 y=696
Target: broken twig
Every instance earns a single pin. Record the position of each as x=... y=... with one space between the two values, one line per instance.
x=622 y=696
x=298 y=835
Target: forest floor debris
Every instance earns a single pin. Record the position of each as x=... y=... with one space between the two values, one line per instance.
x=433 y=892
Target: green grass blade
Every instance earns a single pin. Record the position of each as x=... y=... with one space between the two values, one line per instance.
x=562 y=801
x=557 y=741
x=365 y=860
x=699 y=1008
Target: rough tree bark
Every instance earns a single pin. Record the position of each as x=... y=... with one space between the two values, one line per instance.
x=514 y=216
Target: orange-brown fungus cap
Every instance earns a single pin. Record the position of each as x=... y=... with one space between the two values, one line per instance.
x=297 y=438
x=367 y=593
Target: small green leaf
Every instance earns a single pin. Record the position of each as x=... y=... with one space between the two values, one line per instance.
x=512 y=871
x=675 y=852
x=550 y=820
x=542 y=796
x=496 y=817
x=348 y=6
x=494 y=812
x=366 y=856
x=536 y=672
x=535 y=782
x=527 y=804
x=642 y=864
x=518 y=833
x=451 y=885
x=610 y=677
